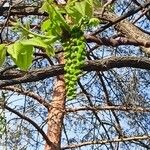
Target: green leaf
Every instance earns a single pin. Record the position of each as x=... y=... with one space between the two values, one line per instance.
x=21 y=54
x=34 y=42
x=50 y=51
x=2 y=53
x=46 y=25
x=55 y=15
x=94 y=22
x=51 y=27
x=60 y=19
x=43 y=43
x=78 y=10
x=46 y=7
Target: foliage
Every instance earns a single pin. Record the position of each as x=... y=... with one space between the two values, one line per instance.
x=65 y=24
x=111 y=108
x=21 y=54
x=2 y=53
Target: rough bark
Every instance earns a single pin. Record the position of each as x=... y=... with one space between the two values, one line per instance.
x=127 y=28
x=56 y=113
x=93 y=65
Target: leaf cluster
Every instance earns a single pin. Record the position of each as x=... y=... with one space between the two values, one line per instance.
x=65 y=24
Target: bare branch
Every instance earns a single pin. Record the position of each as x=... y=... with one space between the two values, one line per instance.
x=127 y=28
x=117 y=41
x=94 y=65
x=114 y=107
x=28 y=93
x=99 y=12
x=31 y=122
x=135 y=138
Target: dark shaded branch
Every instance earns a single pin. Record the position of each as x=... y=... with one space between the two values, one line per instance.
x=116 y=42
x=28 y=93
x=136 y=138
x=11 y=73
x=117 y=125
x=128 y=14
x=127 y=28
x=95 y=112
x=31 y=122
x=22 y=10
x=146 y=13
x=92 y=65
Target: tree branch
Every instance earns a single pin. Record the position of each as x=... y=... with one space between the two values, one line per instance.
x=114 y=107
x=99 y=13
x=127 y=28
x=31 y=122
x=135 y=138
x=28 y=93
x=116 y=42
x=93 y=65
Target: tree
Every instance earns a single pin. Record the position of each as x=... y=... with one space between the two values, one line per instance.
x=104 y=104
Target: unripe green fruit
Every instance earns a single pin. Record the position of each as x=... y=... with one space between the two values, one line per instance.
x=74 y=53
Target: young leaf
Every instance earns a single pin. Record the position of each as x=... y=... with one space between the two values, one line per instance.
x=2 y=53
x=43 y=43
x=46 y=25
x=55 y=15
x=46 y=7
x=78 y=10
x=60 y=19
x=50 y=50
x=21 y=54
x=34 y=42
x=93 y=22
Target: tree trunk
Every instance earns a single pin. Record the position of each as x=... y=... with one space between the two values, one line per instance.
x=56 y=113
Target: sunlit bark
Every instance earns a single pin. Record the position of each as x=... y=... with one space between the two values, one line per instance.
x=56 y=113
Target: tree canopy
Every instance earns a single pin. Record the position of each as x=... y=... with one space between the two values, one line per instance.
x=74 y=74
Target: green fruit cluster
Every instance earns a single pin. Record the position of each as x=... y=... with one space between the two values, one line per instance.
x=74 y=53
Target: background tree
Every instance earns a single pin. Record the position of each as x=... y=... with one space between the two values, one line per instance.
x=111 y=107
